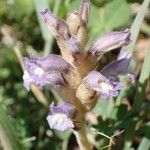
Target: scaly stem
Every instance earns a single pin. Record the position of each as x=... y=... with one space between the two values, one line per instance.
x=82 y=139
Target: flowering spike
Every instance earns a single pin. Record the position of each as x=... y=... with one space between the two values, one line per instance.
x=85 y=10
x=110 y=41
x=59 y=119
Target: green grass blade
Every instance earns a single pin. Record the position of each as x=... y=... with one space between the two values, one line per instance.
x=142 y=83
x=8 y=137
x=135 y=28
x=145 y=142
x=41 y=5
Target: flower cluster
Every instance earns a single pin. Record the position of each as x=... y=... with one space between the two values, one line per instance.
x=73 y=74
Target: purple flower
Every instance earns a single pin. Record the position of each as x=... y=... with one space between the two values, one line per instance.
x=105 y=87
x=104 y=82
x=59 y=118
x=109 y=42
x=44 y=71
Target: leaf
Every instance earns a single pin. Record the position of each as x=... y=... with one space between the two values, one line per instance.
x=8 y=132
x=96 y=25
x=142 y=83
x=23 y=7
x=116 y=14
x=105 y=108
x=100 y=3
x=74 y=5
x=41 y=6
x=62 y=135
x=135 y=28
x=145 y=143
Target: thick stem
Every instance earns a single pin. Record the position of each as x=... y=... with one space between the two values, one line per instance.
x=82 y=139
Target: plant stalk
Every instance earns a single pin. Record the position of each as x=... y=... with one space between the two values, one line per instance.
x=82 y=139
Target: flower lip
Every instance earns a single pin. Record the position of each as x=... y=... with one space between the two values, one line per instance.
x=60 y=122
x=59 y=118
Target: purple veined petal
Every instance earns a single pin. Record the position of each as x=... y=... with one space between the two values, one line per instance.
x=60 y=121
x=110 y=41
x=44 y=76
x=84 y=10
x=116 y=68
x=65 y=107
x=53 y=63
x=57 y=26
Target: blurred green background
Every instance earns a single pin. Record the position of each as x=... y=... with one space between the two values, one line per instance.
x=23 y=122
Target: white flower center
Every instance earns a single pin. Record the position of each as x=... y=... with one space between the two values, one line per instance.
x=105 y=87
x=26 y=75
x=39 y=71
x=56 y=119
x=59 y=118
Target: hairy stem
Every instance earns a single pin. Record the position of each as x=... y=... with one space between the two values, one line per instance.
x=82 y=139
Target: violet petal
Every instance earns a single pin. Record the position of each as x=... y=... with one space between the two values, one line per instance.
x=60 y=122
x=116 y=68
x=45 y=71
x=110 y=41
x=65 y=108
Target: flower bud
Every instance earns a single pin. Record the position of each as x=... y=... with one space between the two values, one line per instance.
x=77 y=23
x=85 y=94
x=109 y=42
x=57 y=26
x=85 y=10
x=78 y=28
